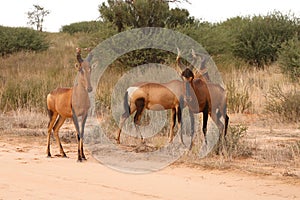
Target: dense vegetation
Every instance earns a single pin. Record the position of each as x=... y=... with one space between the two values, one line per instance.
x=21 y=39
x=255 y=40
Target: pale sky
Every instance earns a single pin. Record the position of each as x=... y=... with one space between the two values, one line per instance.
x=64 y=12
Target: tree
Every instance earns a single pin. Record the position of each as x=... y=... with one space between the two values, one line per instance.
x=143 y=13
x=36 y=17
x=260 y=38
x=289 y=58
x=179 y=16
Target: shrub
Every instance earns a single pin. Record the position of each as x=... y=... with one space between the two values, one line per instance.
x=238 y=99
x=21 y=39
x=289 y=58
x=260 y=38
x=85 y=27
x=234 y=146
x=285 y=105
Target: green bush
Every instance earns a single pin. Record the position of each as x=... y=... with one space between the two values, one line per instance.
x=260 y=38
x=289 y=58
x=215 y=38
x=235 y=145
x=21 y=39
x=284 y=105
x=85 y=27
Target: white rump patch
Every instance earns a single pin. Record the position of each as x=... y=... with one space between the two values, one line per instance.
x=131 y=90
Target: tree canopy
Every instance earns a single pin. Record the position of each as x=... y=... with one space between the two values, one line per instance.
x=142 y=13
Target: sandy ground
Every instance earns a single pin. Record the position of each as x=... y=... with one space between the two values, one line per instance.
x=26 y=173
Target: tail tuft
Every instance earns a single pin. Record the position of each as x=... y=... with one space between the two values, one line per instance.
x=50 y=114
x=126 y=105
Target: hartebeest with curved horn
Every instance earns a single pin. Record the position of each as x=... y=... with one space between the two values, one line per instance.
x=205 y=97
x=153 y=96
x=74 y=102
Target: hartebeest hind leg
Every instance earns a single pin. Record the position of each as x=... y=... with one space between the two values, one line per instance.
x=122 y=121
x=56 y=128
x=52 y=121
x=140 y=107
x=176 y=112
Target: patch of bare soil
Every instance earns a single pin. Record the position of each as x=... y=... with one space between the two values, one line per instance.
x=271 y=172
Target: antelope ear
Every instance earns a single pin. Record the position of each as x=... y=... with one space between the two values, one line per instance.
x=77 y=67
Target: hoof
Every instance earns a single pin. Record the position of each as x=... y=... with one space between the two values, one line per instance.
x=49 y=156
x=191 y=146
x=64 y=155
x=79 y=160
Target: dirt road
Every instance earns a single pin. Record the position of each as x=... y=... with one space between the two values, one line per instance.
x=26 y=173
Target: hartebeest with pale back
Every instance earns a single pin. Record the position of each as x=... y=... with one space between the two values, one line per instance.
x=74 y=102
x=153 y=96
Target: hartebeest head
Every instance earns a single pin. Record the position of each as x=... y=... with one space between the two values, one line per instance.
x=187 y=75
x=84 y=69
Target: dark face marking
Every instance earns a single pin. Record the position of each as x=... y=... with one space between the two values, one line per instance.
x=188 y=74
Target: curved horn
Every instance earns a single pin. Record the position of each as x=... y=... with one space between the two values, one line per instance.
x=79 y=58
x=90 y=56
x=194 y=53
x=177 y=63
x=178 y=55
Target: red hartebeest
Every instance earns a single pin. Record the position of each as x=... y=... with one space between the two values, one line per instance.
x=205 y=97
x=153 y=96
x=74 y=102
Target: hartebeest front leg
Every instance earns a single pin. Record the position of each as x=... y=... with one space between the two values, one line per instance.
x=192 y=118
x=140 y=107
x=172 y=125
x=204 y=128
x=122 y=121
x=79 y=136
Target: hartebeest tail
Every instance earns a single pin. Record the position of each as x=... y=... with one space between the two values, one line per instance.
x=126 y=105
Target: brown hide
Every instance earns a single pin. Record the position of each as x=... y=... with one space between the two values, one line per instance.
x=59 y=100
x=63 y=103
x=157 y=96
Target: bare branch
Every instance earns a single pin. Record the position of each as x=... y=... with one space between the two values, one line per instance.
x=36 y=17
